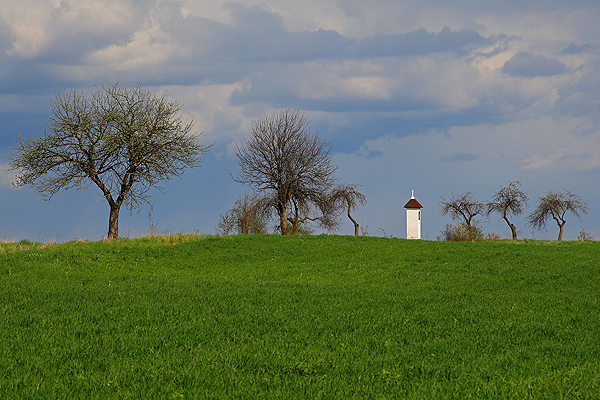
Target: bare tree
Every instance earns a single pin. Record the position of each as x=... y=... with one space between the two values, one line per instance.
x=283 y=161
x=463 y=207
x=555 y=205
x=509 y=200
x=249 y=215
x=348 y=197
x=124 y=140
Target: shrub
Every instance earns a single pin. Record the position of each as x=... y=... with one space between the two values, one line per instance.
x=460 y=233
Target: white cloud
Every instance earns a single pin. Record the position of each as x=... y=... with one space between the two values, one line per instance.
x=545 y=162
x=26 y=22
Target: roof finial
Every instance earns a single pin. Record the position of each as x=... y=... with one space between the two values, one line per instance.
x=413 y=194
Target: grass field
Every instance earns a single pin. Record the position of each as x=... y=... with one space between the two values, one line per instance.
x=319 y=317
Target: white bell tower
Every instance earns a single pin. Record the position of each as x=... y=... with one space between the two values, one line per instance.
x=413 y=218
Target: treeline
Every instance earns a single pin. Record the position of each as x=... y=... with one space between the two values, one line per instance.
x=509 y=201
x=126 y=140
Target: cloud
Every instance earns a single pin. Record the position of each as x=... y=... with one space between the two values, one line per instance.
x=544 y=162
x=528 y=65
x=420 y=42
x=578 y=49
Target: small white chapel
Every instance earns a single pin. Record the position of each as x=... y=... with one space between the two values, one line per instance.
x=413 y=218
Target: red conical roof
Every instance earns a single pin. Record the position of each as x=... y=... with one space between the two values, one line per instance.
x=413 y=203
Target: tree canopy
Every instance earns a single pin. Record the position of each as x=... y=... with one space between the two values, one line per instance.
x=508 y=201
x=124 y=140
x=555 y=205
x=348 y=197
x=464 y=207
x=290 y=167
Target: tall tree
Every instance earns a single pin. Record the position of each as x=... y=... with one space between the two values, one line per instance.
x=124 y=140
x=556 y=205
x=509 y=201
x=349 y=198
x=463 y=206
x=283 y=161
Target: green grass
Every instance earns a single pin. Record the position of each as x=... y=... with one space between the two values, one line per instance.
x=331 y=317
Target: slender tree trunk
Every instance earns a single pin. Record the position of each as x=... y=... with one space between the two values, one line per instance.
x=113 y=223
x=512 y=228
x=354 y=222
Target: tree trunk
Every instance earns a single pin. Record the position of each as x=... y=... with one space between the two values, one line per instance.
x=354 y=222
x=560 y=232
x=514 y=231
x=283 y=220
x=512 y=228
x=113 y=223
x=469 y=231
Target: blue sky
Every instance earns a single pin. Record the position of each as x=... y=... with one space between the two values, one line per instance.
x=436 y=96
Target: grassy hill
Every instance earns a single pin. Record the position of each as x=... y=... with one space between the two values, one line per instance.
x=332 y=317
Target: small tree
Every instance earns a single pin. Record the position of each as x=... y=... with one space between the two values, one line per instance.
x=283 y=161
x=556 y=205
x=249 y=215
x=508 y=200
x=348 y=197
x=124 y=140
x=463 y=207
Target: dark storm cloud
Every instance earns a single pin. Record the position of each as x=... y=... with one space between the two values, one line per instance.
x=420 y=42
x=528 y=65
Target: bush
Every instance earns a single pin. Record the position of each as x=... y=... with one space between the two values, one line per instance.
x=460 y=233
x=583 y=235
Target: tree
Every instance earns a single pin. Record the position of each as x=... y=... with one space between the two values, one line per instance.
x=463 y=206
x=124 y=140
x=508 y=200
x=348 y=197
x=283 y=161
x=249 y=215
x=555 y=205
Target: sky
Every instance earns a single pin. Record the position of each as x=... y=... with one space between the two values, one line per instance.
x=439 y=97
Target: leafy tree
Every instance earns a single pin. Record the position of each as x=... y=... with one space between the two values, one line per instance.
x=348 y=197
x=249 y=215
x=124 y=140
x=463 y=207
x=285 y=163
x=508 y=200
x=556 y=205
